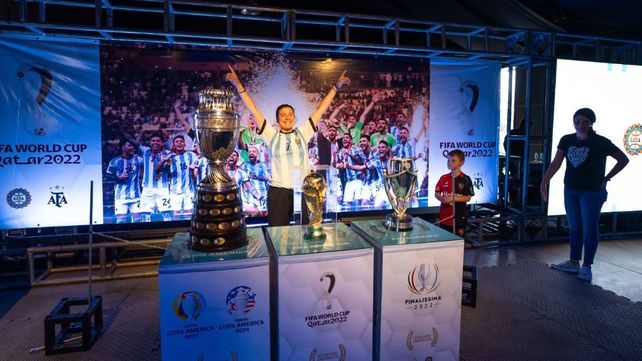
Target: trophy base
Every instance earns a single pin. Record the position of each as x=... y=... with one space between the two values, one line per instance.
x=218 y=223
x=394 y=223
x=218 y=243
x=314 y=234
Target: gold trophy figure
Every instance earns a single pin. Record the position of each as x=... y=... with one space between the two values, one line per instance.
x=218 y=223
x=400 y=181
x=314 y=189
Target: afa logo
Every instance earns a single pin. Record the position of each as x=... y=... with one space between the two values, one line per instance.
x=18 y=198
x=241 y=299
x=423 y=280
x=189 y=305
x=57 y=198
x=633 y=139
x=478 y=181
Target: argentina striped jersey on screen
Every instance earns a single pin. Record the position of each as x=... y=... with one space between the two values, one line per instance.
x=150 y=159
x=129 y=188
x=181 y=180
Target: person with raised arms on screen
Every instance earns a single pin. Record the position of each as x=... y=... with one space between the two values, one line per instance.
x=126 y=169
x=584 y=188
x=288 y=148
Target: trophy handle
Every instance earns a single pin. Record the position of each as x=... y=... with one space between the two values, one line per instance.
x=386 y=187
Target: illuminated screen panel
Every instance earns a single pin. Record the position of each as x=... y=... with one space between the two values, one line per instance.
x=154 y=91
x=613 y=92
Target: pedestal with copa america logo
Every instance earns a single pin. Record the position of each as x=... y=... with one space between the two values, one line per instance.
x=215 y=306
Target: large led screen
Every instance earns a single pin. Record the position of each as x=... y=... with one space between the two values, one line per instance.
x=613 y=92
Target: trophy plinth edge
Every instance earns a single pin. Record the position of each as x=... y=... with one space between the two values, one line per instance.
x=394 y=223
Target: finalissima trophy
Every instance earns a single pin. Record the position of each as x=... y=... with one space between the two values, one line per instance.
x=314 y=189
x=400 y=181
x=218 y=223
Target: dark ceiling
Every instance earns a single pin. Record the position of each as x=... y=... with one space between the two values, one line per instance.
x=607 y=18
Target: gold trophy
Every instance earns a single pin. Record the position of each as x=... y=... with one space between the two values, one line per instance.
x=400 y=181
x=314 y=189
x=218 y=223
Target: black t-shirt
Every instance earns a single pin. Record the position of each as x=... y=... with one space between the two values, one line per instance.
x=585 y=160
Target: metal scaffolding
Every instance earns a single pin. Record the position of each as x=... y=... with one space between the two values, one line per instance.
x=231 y=26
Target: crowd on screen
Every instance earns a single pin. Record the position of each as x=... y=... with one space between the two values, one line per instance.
x=152 y=158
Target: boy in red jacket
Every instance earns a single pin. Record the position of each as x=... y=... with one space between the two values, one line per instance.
x=464 y=190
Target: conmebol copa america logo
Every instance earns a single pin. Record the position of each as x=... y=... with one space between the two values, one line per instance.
x=423 y=279
x=188 y=305
x=240 y=299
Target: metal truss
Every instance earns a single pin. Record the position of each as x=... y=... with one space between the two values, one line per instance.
x=199 y=23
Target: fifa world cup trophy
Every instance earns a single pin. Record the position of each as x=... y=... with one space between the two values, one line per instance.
x=400 y=181
x=314 y=189
x=218 y=223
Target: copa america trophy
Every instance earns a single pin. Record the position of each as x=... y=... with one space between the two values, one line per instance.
x=218 y=223
x=314 y=189
x=400 y=181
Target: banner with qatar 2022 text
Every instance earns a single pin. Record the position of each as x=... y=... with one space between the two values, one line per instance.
x=50 y=142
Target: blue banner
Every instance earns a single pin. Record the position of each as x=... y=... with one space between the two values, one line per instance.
x=50 y=146
x=464 y=114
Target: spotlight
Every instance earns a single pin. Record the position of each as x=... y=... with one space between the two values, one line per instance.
x=249 y=11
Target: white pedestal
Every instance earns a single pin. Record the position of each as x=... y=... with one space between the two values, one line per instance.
x=324 y=294
x=418 y=282
x=215 y=306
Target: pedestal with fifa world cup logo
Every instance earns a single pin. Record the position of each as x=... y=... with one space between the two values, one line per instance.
x=321 y=292
x=418 y=287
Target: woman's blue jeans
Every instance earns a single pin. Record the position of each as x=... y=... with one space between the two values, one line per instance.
x=583 y=213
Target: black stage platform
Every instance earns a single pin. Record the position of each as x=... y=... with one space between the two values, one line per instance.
x=525 y=311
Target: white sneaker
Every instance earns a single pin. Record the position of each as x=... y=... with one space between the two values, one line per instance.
x=566 y=266
x=585 y=274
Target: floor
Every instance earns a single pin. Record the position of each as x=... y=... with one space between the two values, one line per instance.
x=507 y=275
x=617 y=266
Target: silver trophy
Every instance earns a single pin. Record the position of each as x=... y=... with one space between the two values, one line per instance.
x=400 y=182
x=314 y=190
x=218 y=223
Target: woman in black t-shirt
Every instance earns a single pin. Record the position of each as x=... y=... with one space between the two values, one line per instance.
x=584 y=187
